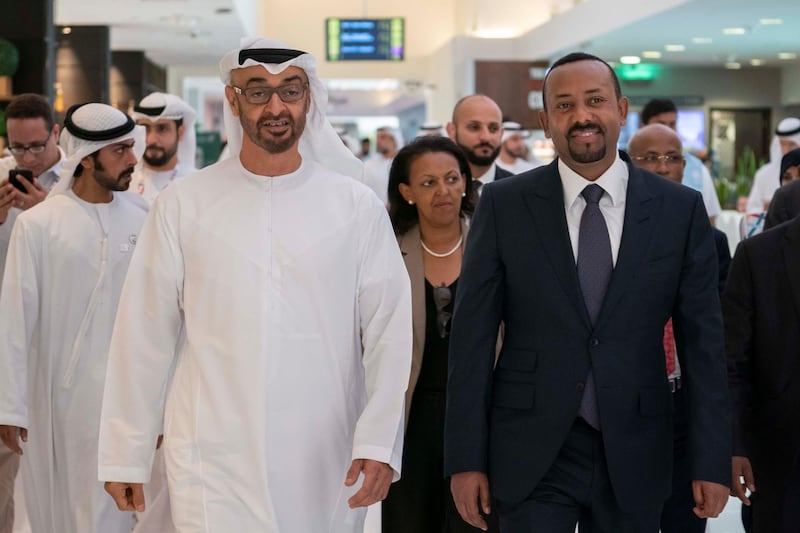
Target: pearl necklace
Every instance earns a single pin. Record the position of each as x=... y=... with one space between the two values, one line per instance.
x=446 y=254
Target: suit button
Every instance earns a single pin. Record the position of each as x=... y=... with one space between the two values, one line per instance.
x=580 y=386
x=594 y=342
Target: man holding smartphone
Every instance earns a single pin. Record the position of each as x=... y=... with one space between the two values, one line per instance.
x=33 y=143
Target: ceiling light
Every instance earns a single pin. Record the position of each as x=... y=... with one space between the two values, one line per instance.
x=787 y=55
x=223 y=10
x=651 y=54
x=496 y=33
x=630 y=60
x=734 y=31
x=733 y=65
x=770 y=22
x=702 y=40
x=675 y=48
x=66 y=30
x=756 y=62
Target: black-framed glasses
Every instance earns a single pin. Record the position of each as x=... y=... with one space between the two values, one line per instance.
x=35 y=148
x=258 y=95
x=652 y=159
x=442 y=297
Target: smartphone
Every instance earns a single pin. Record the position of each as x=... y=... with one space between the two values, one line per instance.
x=13 y=178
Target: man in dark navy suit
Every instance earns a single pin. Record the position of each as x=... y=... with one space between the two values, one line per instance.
x=584 y=261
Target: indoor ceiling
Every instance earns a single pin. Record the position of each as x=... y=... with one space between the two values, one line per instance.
x=198 y=32
x=757 y=31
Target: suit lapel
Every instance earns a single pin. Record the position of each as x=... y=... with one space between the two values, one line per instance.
x=791 y=256
x=545 y=203
x=637 y=230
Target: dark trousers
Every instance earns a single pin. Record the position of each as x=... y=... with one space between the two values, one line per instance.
x=677 y=515
x=576 y=490
x=421 y=502
x=776 y=509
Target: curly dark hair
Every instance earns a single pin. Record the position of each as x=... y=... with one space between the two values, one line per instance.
x=405 y=216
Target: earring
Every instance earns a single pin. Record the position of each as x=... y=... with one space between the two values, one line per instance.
x=411 y=202
x=463 y=194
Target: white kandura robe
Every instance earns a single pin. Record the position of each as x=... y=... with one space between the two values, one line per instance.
x=297 y=313
x=149 y=183
x=66 y=264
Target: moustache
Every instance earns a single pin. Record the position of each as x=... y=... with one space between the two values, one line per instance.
x=271 y=118
x=153 y=147
x=484 y=145
x=127 y=173
x=587 y=126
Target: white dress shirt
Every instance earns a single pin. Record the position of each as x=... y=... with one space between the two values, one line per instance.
x=615 y=183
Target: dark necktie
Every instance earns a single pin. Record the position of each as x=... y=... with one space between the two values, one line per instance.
x=595 y=265
x=476 y=186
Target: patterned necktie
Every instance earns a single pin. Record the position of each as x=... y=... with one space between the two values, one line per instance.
x=669 y=347
x=595 y=265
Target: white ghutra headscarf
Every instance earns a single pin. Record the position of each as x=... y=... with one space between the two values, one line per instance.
x=319 y=141
x=162 y=106
x=87 y=129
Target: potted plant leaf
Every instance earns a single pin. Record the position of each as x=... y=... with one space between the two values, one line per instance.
x=9 y=62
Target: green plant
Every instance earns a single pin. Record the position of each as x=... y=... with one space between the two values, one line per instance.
x=729 y=189
x=9 y=58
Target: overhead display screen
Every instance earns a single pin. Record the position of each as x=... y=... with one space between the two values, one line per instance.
x=365 y=39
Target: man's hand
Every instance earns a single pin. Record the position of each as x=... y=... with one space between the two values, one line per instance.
x=377 y=479
x=8 y=199
x=128 y=496
x=471 y=490
x=10 y=434
x=34 y=195
x=741 y=469
x=710 y=498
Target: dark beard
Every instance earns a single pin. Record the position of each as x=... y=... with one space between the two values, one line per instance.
x=270 y=144
x=479 y=160
x=159 y=161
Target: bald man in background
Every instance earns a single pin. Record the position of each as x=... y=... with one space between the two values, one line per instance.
x=477 y=127
x=658 y=148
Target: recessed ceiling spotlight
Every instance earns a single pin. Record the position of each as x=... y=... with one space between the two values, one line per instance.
x=702 y=40
x=630 y=60
x=66 y=30
x=787 y=55
x=651 y=54
x=734 y=31
x=675 y=48
x=770 y=22
x=756 y=62
x=733 y=65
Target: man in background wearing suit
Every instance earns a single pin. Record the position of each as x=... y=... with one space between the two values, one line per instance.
x=477 y=127
x=761 y=306
x=584 y=260
x=658 y=148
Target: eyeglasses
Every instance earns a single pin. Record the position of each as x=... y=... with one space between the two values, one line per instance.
x=442 y=297
x=289 y=93
x=655 y=159
x=35 y=148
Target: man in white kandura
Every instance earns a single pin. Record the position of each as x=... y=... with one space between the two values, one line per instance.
x=285 y=273
x=66 y=263
x=170 y=150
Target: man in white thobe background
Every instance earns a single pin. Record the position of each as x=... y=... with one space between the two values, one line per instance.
x=171 y=144
x=66 y=263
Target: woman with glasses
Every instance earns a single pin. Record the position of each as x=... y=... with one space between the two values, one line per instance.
x=430 y=199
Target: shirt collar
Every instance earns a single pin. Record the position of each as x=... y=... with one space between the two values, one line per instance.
x=614 y=181
x=49 y=177
x=488 y=176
